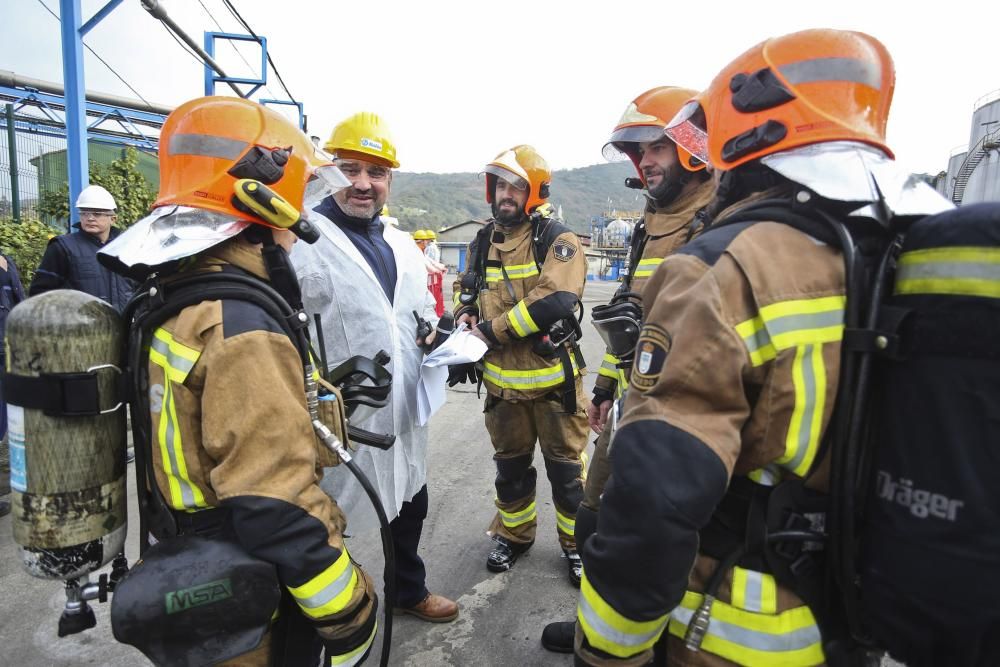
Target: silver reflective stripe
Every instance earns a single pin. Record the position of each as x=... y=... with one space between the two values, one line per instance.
x=786 y=323
x=330 y=591
x=187 y=493
x=519 y=316
x=754 y=591
x=959 y=270
x=808 y=397
x=516 y=382
x=174 y=361
x=614 y=636
x=757 y=340
x=833 y=69
x=206 y=145
x=761 y=641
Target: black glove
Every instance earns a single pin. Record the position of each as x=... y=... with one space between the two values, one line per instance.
x=462 y=373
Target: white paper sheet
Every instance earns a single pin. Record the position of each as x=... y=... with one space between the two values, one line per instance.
x=460 y=348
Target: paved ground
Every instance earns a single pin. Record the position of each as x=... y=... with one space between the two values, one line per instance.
x=501 y=615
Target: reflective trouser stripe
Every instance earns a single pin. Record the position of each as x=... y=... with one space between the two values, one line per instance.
x=788 y=639
x=515 y=519
x=754 y=591
x=176 y=361
x=520 y=320
x=354 y=657
x=565 y=523
x=645 y=268
x=328 y=592
x=538 y=378
x=611 y=632
x=968 y=271
x=787 y=324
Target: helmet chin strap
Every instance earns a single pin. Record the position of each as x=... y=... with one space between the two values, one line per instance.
x=278 y=265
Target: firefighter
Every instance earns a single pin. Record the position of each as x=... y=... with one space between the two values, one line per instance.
x=520 y=293
x=233 y=449
x=737 y=367
x=677 y=190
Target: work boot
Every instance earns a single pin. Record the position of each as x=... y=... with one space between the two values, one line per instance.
x=505 y=554
x=558 y=637
x=433 y=608
x=575 y=566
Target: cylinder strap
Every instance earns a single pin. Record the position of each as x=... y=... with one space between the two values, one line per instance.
x=57 y=394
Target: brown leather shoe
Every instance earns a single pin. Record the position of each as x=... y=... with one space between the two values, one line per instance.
x=434 y=608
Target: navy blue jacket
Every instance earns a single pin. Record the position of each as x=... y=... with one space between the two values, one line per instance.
x=70 y=262
x=366 y=235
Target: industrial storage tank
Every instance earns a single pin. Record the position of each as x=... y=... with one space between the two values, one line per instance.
x=617 y=234
x=978 y=178
x=955 y=162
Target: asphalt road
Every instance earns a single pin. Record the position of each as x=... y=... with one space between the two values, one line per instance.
x=501 y=617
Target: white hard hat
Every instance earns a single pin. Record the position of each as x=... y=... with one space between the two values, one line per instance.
x=96 y=197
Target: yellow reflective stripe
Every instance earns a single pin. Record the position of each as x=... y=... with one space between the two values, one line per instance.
x=184 y=494
x=537 y=378
x=611 y=632
x=520 y=320
x=354 y=657
x=328 y=592
x=174 y=358
x=645 y=268
x=788 y=639
x=754 y=591
x=769 y=475
x=515 y=519
x=515 y=272
x=969 y=271
x=609 y=366
x=564 y=523
x=787 y=324
x=809 y=382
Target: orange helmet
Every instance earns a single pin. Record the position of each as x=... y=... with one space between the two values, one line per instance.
x=804 y=88
x=644 y=120
x=209 y=143
x=524 y=168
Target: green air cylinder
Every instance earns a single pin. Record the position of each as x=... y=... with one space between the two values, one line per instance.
x=68 y=504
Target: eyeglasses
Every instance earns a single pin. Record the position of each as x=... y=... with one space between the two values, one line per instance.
x=352 y=170
x=87 y=213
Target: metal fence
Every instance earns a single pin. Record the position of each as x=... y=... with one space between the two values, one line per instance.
x=23 y=156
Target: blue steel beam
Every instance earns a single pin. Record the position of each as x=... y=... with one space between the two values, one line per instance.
x=99 y=16
x=70 y=19
x=30 y=97
x=211 y=78
x=297 y=105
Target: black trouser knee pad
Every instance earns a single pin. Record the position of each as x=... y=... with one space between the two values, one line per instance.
x=515 y=478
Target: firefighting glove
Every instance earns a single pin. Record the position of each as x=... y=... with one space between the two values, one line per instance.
x=462 y=373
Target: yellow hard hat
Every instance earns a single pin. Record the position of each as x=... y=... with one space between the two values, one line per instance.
x=385 y=210
x=431 y=235
x=420 y=235
x=363 y=136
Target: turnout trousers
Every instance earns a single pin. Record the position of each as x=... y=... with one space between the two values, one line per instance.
x=514 y=427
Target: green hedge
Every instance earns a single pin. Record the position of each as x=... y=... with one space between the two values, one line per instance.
x=25 y=242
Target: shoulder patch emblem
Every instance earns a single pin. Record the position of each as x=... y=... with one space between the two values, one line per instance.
x=563 y=250
x=650 y=354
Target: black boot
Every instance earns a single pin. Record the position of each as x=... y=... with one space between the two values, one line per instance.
x=505 y=554
x=558 y=637
x=575 y=566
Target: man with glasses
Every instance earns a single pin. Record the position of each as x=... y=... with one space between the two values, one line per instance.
x=365 y=280
x=70 y=261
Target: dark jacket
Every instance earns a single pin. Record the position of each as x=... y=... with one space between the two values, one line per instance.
x=70 y=262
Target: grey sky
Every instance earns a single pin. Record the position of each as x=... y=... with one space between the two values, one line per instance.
x=458 y=81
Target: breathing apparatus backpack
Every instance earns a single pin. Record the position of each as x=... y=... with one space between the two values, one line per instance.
x=903 y=553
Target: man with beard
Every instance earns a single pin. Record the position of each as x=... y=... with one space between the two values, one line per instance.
x=525 y=278
x=677 y=189
x=366 y=279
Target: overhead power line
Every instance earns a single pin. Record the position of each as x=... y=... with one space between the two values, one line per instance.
x=232 y=43
x=274 y=68
x=103 y=61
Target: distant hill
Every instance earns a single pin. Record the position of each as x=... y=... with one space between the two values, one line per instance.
x=432 y=201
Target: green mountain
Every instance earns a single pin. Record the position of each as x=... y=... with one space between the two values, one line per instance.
x=433 y=201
